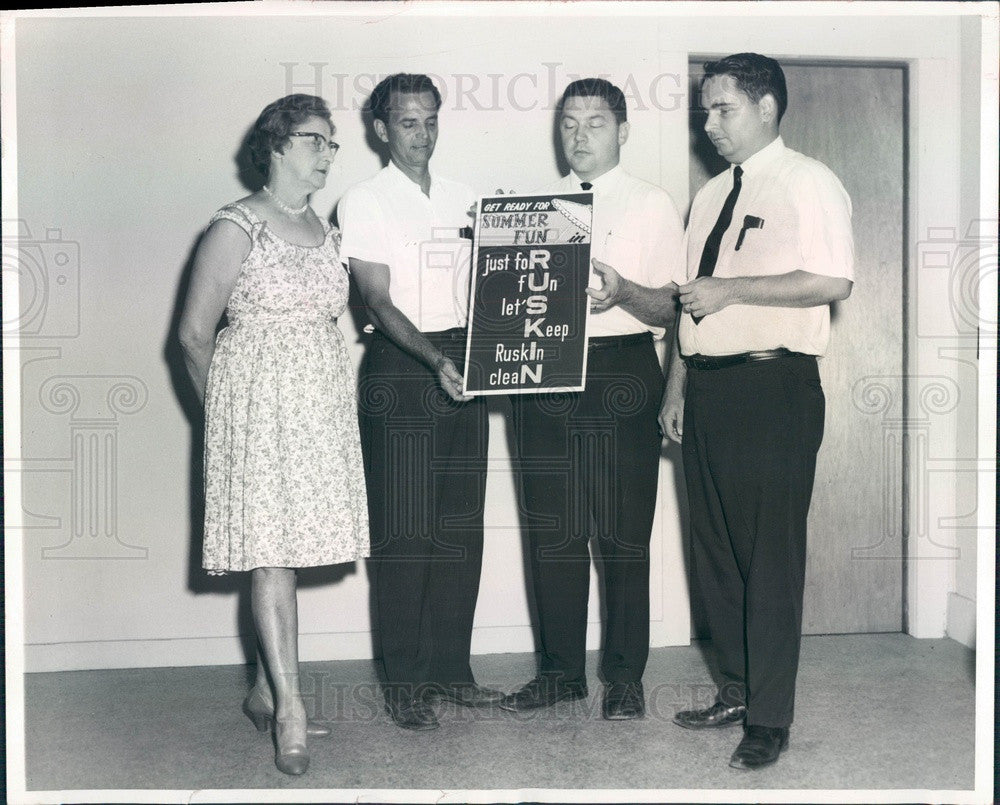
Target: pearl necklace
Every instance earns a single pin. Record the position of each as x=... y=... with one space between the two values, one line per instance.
x=284 y=207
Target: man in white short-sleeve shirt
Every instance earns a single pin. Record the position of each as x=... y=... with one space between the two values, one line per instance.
x=405 y=242
x=388 y=219
x=769 y=247
x=595 y=453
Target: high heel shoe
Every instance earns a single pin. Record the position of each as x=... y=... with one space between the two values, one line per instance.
x=293 y=759
x=262 y=716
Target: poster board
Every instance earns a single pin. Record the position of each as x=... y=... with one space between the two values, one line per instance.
x=528 y=307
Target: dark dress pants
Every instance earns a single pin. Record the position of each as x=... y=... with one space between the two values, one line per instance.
x=588 y=464
x=751 y=434
x=425 y=467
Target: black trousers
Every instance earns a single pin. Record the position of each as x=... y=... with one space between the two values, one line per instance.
x=751 y=434
x=425 y=466
x=588 y=464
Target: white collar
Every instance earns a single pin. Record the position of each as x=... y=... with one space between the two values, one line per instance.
x=763 y=157
x=603 y=182
x=401 y=179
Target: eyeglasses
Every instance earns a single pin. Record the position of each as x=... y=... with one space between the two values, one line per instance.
x=318 y=140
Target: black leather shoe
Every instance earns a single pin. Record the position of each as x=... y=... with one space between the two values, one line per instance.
x=467 y=695
x=718 y=715
x=760 y=747
x=543 y=691
x=623 y=701
x=411 y=714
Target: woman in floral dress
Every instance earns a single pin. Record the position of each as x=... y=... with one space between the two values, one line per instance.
x=284 y=485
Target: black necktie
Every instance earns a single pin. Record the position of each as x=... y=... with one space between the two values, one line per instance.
x=587 y=186
x=710 y=254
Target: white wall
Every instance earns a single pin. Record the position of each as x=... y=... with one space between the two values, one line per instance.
x=127 y=132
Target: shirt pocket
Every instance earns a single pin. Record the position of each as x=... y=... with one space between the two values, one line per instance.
x=765 y=249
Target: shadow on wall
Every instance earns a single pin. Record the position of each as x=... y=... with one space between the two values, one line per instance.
x=371 y=138
x=562 y=164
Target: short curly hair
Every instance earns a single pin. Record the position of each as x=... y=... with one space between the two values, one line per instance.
x=755 y=76
x=270 y=132
x=407 y=83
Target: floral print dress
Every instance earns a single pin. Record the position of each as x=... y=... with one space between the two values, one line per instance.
x=284 y=484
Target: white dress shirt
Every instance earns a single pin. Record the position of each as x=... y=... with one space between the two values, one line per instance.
x=805 y=217
x=638 y=232
x=388 y=219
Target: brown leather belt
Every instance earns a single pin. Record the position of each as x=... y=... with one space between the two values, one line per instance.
x=725 y=361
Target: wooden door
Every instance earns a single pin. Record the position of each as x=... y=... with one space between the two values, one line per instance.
x=853 y=118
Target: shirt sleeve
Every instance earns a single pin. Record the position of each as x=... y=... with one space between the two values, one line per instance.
x=666 y=260
x=826 y=242
x=363 y=232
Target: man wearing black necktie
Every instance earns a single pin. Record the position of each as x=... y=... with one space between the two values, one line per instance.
x=769 y=247
x=589 y=460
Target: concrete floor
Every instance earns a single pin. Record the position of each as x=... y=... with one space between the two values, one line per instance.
x=876 y=712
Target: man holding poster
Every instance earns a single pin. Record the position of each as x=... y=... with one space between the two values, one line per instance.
x=424 y=442
x=590 y=458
